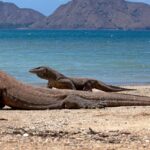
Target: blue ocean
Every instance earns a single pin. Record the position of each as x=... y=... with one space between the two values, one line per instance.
x=115 y=57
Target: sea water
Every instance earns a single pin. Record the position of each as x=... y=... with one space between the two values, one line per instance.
x=116 y=57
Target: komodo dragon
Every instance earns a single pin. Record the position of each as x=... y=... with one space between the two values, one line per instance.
x=22 y=96
x=60 y=81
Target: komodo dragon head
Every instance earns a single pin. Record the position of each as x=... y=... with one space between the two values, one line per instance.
x=46 y=73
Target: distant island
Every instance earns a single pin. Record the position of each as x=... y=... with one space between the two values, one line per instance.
x=80 y=14
x=12 y=16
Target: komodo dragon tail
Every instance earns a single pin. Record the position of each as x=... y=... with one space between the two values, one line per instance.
x=119 y=89
x=110 y=88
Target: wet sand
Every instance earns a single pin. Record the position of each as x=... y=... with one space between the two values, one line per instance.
x=122 y=128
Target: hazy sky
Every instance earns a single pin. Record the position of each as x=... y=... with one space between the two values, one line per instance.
x=47 y=6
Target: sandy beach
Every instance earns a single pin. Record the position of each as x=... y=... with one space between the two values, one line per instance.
x=122 y=128
x=74 y=44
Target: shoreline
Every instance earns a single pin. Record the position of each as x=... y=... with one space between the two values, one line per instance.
x=118 y=84
x=141 y=90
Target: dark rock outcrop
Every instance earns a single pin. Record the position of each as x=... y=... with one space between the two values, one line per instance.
x=99 y=14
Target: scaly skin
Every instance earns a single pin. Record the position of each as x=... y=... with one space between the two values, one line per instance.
x=60 y=81
x=22 y=96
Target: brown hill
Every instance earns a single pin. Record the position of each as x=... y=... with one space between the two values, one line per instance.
x=12 y=16
x=99 y=14
x=79 y=14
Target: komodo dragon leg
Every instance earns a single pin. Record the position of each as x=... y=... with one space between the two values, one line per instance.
x=89 y=85
x=65 y=84
x=77 y=102
x=2 y=105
